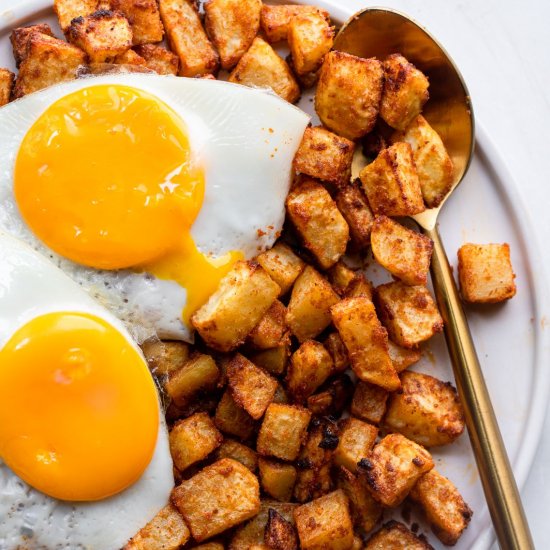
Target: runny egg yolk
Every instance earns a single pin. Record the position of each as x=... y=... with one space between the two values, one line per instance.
x=107 y=178
x=79 y=410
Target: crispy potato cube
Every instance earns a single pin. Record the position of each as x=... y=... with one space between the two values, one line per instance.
x=275 y=20
x=433 y=164
x=359 y=286
x=366 y=341
x=159 y=59
x=241 y=300
x=271 y=330
x=239 y=452
x=232 y=419
x=321 y=227
x=67 y=10
x=426 y=410
x=485 y=273
x=187 y=38
x=356 y=440
x=396 y=536
x=217 y=498
x=405 y=92
x=209 y=546
x=391 y=182
x=283 y=431
x=406 y=254
x=262 y=67
x=193 y=439
x=393 y=467
x=48 y=62
x=144 y=19
x=309 y=307
x=348 y=94
x=282 y=265
x=325 y=523
x=335 y=346
x=277 y=478
x=403 y=358
x=251 y=387
x=130 y=57
x=279 y=532
x=408 y=313
x=232 y=26
x=334 y=399
x=310 y=38
x=445 y=509
x=6 y=85
x=353 y=205
x=340 y=276
x=272 y=360
x=19 y=39
x=369 y=402
x=324 y=155
x=166 y=530
x=165 y=357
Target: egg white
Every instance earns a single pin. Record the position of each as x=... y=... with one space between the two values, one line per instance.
x=245 y=139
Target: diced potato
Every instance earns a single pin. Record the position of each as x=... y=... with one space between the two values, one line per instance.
x=353 y=205
x=309 y=307
x=262 y=67
x=271 y=330
x=277 y=478
x=282 y=265
x=273 y=360
x=406 y=254
x=340 y=276
x=130 y=57
x=19 y=39
x=485 y=273
x=366 y=341
x=279 y=532
x=67 y=10
x=48 y=62
x=209 y=546
x=233 y=420
x=408 y=313
x=369 y=402
x=159 y=59
x=232 y=26
x=283 y=431
x=348 y=94
x=393 y=467
x=334 y=399
x=310 y=365
x=144 y=19
x=187 y=37
x=241 y=300
x=310 y=38
x=239 y=452
x=359 y=286
x=433 y=164
x=325 y=156
x=6 y=85
x=251 y=387
x=426 y=410
x=193 y=439
x=445 y=509
x=275 y=20
x=391 y=182
x=403 y=358
x=167 y=530
x=338 y=352
x=325 y=523
x=405 y=92
x=165 y=357
x=396 y=536
x=356 y=440
x=217 y=498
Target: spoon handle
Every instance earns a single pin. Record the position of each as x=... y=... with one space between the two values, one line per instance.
x=496 y=475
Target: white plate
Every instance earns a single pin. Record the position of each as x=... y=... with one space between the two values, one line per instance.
x=512 y=347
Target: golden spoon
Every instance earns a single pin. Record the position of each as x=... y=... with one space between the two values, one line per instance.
x=377 y=32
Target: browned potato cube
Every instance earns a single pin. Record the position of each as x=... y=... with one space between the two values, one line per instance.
x=209 y=546
x=283 y=431
x=241 y=300
x=130 y=57
x=348 y=94
x=67 y=10
x=310 y=38
x=279 y=532
x=369 y=402
x=391 y=182
x=396 y=536
x=271 y=330
x=340 y=276
x=393 y=467
x=356 y=440
x=19 y=39
x=433 y=164
x=159 y=59
x=334 y=399
x=325 y=523
x=321 y=227
x=232 y=419
x=277 y=478
x=166 y=530
x=408 y=312
x=6 y=84
x=324 y=155
x=217 y=498
x=403 y=358
x=262 y=67
x=405 y=92
x=338 y=352
x=251 y=387
x=426 y=410
x=485 y=273
x=273 y=360
x=309 y=307
x=406 y=254
x=144 y=19
x=282 y=265
x=48 y=62
x=366 y=341
x=232 y=26
x=187 y=37
x=165 y=357
x=359 y=286
x=445 y=509
x=275 y=19
x=239 y=452
x=353 y=205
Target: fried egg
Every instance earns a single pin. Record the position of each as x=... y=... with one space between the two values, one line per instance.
x=147 y=189
x=84 y=454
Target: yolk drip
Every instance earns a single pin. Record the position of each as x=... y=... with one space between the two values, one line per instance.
x=79 y=409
